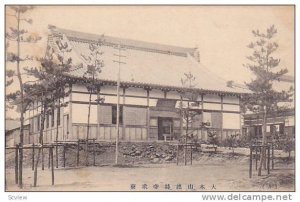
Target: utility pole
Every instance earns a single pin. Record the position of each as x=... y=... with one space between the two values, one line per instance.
x=118 y=98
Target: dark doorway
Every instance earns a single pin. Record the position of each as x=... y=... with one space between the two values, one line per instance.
x=165 y=128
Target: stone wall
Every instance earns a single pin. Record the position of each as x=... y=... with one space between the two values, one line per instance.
x=130 y=153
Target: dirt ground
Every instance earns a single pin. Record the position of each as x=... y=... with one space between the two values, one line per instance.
x=206 y=174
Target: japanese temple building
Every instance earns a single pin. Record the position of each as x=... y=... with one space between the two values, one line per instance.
x=150 y=93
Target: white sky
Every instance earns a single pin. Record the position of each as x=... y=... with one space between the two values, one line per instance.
x=220 y=32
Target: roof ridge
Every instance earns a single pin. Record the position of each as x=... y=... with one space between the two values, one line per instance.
x=130 y=43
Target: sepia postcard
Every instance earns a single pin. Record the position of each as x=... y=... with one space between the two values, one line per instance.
x=150 y=98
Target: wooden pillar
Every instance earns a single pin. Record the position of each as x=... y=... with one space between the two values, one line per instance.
x=222 y=117
x=43 y=157
x=181 y=121
x=64 y=155
x=177 y=154
x=148 y=114
x=49 y=157
x=191 y=154
x=16 y=163
x=123 y=125
x=250 y=163
x=56 y=154
x=70 y=112
x=52 y=166
x=94 y=152
x=202 y=107
x=268 y=164
x=98 y=114
x=78 y=147
x=272 y=156
x=185 y=152
x=32 y=158
x=256 y=158
x=241 y=130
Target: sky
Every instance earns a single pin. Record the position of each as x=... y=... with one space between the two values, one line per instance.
x=221 y=33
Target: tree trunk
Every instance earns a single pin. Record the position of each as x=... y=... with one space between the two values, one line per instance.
x=186 y=133
x=41 y=142
x=264 y=143
x=56 y=137
x=22 y=105
x=35 y=168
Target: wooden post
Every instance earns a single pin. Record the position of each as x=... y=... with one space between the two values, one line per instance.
x=64 y=155
x=191 y=155
x=177 y=154
x=250 y=163
x=17 y=163
x=33 y=154
x=56 y=155
x=94 y=153
x=268 y=165
x=49 y=157
x=52 y=166
x=78 y=145
x=272 y=156
x=202 y=130
x=222 y=125
x=42 y=157
x=256 y=158
x=185 y=151
x=148 y=115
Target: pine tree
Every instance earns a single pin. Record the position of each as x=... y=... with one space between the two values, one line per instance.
x=19 y=36
x=49 y=89
x=187 y=114
x=94 y=66
x=265 y=67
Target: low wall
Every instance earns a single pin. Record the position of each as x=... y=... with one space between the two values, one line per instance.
x=129 y=153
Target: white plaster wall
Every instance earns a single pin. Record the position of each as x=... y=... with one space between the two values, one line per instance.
x=136 y=101
x=78 y=87
x=231 y=121
x=231 y=99
x=212 y=98
x=156 y=93
x=80 y=113
x=152 y=102
x=83 y=97
x=173 y=95
x=207 y=117
x=212 y=106
x=235 y=108
x=290 y=121
x=110 y=90
x=112 y=99
x=136 y=91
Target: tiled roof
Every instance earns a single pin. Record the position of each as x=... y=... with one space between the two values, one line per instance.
x=146 y=63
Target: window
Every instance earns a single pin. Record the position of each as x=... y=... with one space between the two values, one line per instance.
x=114 y=114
